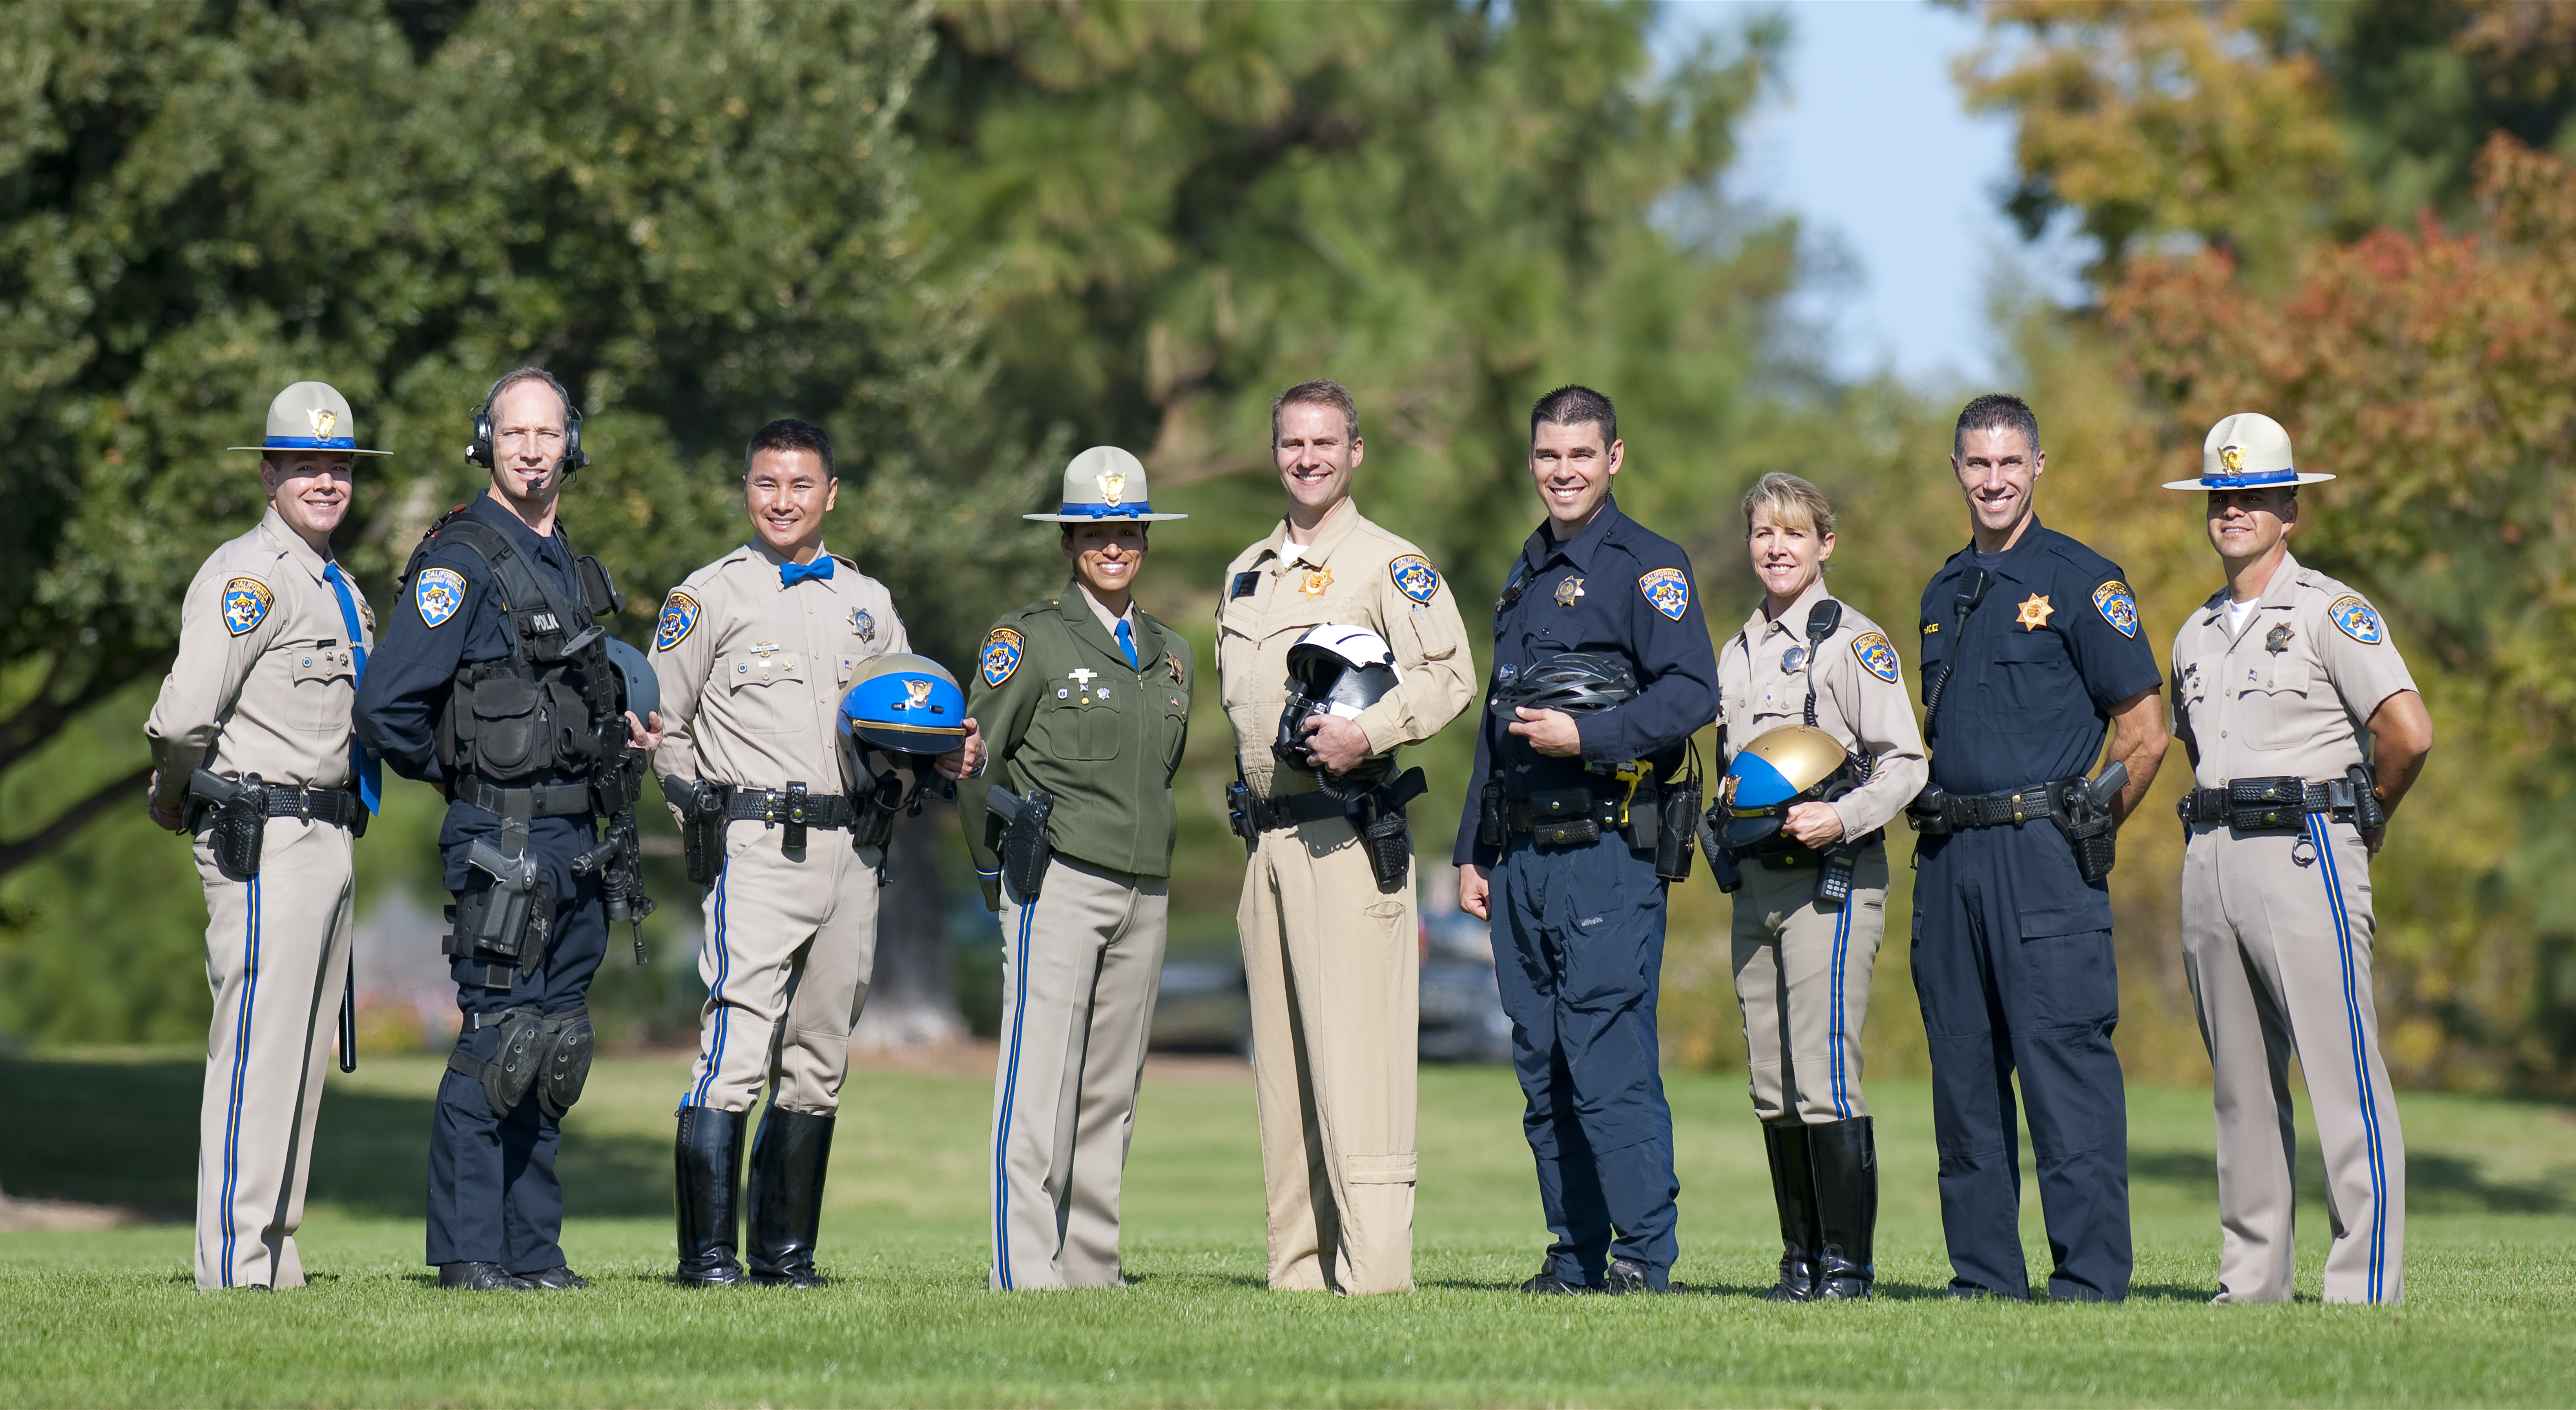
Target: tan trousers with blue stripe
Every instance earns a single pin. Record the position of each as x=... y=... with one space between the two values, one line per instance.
x=1081 y=967
x=791 y=945
x=1802 y=976
x=2276 y=937
x=277 y=958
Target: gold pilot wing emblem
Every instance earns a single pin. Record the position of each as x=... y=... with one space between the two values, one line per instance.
x=1112 y=489
x=323 y=419
x=2232 y=459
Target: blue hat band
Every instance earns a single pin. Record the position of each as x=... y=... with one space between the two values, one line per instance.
x=310 y=443
x=2247 y=482
x=1107 y=511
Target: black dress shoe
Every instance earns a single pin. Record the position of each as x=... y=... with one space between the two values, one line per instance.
x=1547 y=1284
x=1627 y=1276
x=556 y=1277
x=481 y=1277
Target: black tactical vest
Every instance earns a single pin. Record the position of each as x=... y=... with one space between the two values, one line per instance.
x=553 y=707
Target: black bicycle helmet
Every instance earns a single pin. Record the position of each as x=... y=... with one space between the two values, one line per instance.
x=1576 y=682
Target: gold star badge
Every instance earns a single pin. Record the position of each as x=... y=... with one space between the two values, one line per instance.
x=2035 y=613
x=1567 y=591
x=1316 y=581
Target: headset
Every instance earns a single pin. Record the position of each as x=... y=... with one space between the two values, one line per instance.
x=480 y=451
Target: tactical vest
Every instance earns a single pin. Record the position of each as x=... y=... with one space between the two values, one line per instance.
x=554 y=707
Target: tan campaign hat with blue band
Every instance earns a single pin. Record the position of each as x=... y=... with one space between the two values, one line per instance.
x=311 y=416
x=2247 y=451
x=1104 y=482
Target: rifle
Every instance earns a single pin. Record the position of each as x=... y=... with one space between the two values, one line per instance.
x=619 y=857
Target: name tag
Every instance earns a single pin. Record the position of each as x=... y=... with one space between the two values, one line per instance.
x=1244 y=585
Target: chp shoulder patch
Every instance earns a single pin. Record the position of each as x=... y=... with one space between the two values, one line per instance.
x=2354 y=619
x=1415 y=577
x=679 y=618
x=1667 y=590
x=245 y=604
x=2118 y=606
x=438 y=593
x=1000 y=656
x=1877 y=657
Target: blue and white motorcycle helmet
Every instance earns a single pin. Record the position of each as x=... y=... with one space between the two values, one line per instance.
x=903 y=704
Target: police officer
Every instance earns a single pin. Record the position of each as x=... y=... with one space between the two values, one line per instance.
x=494 y=684
x=752 y=655
x=1558 y=848
x=2276 y=680
x=1330 y=950
x=2031 y=657
x=1812 y=902
x=1089 y=699
x=251 y=752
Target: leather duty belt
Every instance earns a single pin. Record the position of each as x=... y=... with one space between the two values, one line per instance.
x=1272 y=814
x=545 y=800
x=1388 y=796
x=2274 y=804
x=313 y=803
x=2030 y=803
x=795 y=808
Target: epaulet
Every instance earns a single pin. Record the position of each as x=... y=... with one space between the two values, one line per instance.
x=846 y=561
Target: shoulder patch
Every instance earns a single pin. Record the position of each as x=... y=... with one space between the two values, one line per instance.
x=1667 y=590
x=245 y=604
x=1000 y=656
x=438 y=593
x=2354 y=619
x=679 y=618
x=1415 y=577
x=1877 y=656
x=2118 y=606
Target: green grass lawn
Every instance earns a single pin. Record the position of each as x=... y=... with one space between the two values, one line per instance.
x=112 y=1319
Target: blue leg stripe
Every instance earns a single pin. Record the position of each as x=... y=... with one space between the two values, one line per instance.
x=1834 y=1061
x=1010 y=1092
x=2360 y=1057
x=714 y=1055
x=241 y=1063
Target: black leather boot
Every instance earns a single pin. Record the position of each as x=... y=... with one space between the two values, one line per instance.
x=1846 y=1157
x=1793 y=1188
x=785 y=1203
x=708 y=1158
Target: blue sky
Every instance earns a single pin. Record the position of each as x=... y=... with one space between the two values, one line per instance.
x=1870 y=147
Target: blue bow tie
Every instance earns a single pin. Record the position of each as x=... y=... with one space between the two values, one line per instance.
x=790 y=574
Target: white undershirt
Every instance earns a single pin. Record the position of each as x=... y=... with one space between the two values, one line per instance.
x=2237 y=612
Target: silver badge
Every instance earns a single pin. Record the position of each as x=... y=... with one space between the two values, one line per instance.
x=1793 y=660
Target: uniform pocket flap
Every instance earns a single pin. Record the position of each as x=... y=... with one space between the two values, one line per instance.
x=2040 y=922
x=1380 y=1169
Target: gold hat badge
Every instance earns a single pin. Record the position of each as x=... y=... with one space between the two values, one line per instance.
x=1111 y=488
x=323 y=419
x=2233 y=457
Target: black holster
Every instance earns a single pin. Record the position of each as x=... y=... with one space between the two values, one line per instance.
x=241 y=820
x=1238 y=812
x=1677 y=818
x=2089 y=828
x=515 y=937
x=1377 y=815
x=702 y=825
x=1026 y=844
x=2369 y=815
x=1489 y=818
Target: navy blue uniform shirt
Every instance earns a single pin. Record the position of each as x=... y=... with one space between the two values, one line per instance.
x=1614 y=588
x=2047 y=653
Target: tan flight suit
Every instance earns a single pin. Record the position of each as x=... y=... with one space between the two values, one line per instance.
x=2277 y=929
x=263 y=683
x=1332 y=962
x=1802 y=971
x=752 y=675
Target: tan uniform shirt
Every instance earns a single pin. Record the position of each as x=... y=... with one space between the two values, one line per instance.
x=752 y=673
x=266 y=674
x=1357 y=574
x=1861 y=701
x=2292 y=692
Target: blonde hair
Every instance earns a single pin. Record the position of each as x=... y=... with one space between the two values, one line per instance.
x=1790 y=500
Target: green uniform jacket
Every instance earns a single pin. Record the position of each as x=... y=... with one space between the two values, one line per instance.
x=1060 y=709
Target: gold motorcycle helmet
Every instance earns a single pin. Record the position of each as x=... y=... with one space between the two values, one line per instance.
x=1782 y=768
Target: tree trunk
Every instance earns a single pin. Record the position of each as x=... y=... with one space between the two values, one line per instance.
x=912 y=1002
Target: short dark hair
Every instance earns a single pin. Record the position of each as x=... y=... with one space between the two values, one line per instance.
x=1996 y=411
x=1572 y=405
x=788 y=433
x=1323 y=391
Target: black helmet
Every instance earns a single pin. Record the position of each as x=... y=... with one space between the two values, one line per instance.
x=643 y=689
x=1335 y=670
x=1576 y=682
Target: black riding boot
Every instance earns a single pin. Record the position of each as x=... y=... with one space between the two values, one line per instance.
x=709 y=1160
x=1793 y=1188
x=785 y=1203
x=1846 y=1156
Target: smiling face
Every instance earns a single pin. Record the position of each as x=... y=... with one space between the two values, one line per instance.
x=1573 y=470
x=1316 y=454
x=1997 y=471
x=311 y=491
x=2246 y=524
x=1786 y=556
x=1106 y=555
x=789 y=493
x=528 y=444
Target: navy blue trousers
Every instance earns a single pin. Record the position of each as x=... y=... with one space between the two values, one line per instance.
x=2012 y=962
x=1579 y=955
x=493 y=1195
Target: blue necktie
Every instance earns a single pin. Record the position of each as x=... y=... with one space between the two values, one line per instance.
x=363 y=768
x=790 y=574
x=1127 y=643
